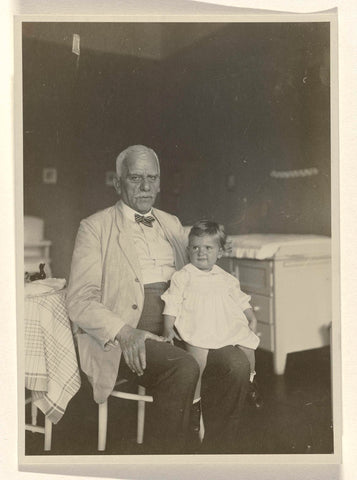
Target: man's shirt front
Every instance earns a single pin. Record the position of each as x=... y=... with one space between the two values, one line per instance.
x=155 y=254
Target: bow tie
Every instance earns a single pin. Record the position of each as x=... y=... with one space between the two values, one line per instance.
x=147 y=221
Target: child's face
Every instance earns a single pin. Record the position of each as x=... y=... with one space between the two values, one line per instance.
x=204 y=251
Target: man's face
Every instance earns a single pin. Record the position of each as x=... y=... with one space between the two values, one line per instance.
x=139 y=183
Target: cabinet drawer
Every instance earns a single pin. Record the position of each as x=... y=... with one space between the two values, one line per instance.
x=255 y=276
x=263 y=308
x=266 y=336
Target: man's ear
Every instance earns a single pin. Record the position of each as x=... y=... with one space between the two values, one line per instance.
x=116 y=183
x=220 y=252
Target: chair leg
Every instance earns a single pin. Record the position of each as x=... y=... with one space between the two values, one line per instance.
x=48 y=434
x=141 y=416
x=33 y=413
x=102 y=425
x=201 y=433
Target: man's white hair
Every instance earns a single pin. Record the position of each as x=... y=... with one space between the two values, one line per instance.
x=134 y=149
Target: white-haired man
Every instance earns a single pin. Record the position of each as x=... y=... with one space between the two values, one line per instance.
x=123 y=259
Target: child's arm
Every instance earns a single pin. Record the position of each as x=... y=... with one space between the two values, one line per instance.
x=173 y=298
x=252 y=320
x=243 y=300
x=168 y=332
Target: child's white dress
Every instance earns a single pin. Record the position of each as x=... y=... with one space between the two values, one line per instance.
x=208 y=306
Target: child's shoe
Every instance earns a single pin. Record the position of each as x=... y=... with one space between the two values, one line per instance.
x=253 y=396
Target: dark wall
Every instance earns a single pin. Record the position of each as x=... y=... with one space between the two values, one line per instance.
x=246 y=100
x=77 y=118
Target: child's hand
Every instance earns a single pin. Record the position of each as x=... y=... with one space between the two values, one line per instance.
x=168 y=335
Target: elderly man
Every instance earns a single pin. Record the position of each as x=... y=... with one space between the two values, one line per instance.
x=123 y=259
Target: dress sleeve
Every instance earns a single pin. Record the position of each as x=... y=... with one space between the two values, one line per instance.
x=240 y=297
x=173 y=297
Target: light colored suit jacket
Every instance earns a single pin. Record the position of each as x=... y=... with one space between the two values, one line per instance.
x=106 y=291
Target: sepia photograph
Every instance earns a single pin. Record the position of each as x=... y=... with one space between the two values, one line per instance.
x=180 y=249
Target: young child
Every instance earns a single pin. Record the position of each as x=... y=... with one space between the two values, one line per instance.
x=206 y=305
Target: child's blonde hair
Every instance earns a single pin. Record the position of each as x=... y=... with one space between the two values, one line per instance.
x=207 y=227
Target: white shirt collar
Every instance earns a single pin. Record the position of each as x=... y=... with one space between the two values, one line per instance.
x=130 y=213
x=215 y=269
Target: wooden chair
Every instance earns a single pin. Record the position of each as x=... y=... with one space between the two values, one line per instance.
x=46 y=430
x=139 y=397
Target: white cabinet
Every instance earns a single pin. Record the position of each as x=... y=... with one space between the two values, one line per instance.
x=291 y=296
x=36 y=249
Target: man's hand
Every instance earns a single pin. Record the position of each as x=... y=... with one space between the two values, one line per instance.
x=132 y=344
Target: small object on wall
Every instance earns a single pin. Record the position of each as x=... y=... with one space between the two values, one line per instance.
x=76 y=44
x=304 y=172
x=109 y=178
x=49 y=175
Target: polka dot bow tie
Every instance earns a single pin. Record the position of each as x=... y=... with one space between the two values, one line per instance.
x=147 y=221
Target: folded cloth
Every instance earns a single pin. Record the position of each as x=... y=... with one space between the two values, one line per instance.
x=262 y=246
x=49 y=285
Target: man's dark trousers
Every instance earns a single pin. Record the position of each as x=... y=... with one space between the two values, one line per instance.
x=171 y=375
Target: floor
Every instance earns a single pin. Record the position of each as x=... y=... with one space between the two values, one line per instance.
x=296 y=416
